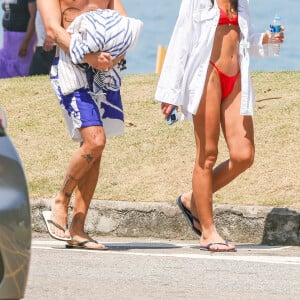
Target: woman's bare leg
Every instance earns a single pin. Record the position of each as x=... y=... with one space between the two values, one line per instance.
x=207 y=132
x=238 y=133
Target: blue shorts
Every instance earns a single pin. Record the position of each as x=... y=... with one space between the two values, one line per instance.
x=82 y=108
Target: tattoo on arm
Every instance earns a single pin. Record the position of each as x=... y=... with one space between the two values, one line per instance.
x=88 y=157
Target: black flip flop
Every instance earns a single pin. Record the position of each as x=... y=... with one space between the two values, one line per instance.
x=208 y=247
x=82 y=245
x=188 y=215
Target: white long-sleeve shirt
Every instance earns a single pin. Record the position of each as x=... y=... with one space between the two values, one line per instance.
x=185 y=67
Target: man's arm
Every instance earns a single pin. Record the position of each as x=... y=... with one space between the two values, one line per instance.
x=54 y=30
x=51 y=16
x=118 y=6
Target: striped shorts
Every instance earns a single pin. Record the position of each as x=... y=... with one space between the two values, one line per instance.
x=82 y=108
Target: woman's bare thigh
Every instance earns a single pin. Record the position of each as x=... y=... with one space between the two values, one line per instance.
x=207 y=119
x=237 y=129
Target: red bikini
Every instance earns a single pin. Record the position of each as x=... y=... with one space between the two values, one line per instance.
x=225 y=20
x=227 y=82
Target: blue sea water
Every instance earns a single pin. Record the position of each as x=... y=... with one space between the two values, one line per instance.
x=159 y=17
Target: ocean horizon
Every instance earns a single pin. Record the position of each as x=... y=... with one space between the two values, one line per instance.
x=159 y=17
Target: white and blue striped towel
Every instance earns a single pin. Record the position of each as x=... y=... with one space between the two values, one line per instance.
x=102 y=30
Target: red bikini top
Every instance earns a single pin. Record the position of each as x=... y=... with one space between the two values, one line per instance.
x=224 y=19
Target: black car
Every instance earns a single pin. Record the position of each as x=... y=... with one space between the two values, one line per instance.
x=15 y=220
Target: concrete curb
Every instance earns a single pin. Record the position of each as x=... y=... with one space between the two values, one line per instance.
x=240 y=224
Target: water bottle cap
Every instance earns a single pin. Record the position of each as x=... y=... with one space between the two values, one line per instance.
x=277 y=18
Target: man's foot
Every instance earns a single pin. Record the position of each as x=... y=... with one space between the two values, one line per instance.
x=59 y=214
x=89 y=244
x=55 y=230
x=57 y=220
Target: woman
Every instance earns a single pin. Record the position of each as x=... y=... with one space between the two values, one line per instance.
x=206 y=72
x=19 y=37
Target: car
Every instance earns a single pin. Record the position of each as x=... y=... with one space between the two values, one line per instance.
x=15 y=219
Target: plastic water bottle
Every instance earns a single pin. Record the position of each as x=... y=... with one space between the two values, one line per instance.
x=275 y=28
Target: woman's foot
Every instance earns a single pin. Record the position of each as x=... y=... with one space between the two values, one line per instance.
x=212 y=241
x=188 y=204
x=219 y=247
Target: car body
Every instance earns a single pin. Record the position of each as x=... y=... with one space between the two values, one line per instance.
x=15 y=219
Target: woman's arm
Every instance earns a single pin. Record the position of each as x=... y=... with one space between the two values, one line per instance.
x=29 y=31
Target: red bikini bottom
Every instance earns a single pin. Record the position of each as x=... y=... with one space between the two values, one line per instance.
x=227 y=82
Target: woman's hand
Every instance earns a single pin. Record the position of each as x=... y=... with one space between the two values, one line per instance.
x=278 y=38
x=166 y=108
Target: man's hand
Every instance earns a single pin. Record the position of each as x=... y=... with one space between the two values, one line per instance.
x=118 y=59
x=48 y=44
x=99 y=60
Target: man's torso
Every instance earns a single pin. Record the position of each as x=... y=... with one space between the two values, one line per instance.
x=72 y=8
x=85 y=5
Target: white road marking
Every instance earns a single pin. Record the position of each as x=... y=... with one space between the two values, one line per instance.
x=270 y=259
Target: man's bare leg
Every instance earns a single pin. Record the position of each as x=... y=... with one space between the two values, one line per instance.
x=82 y=161
x=84 y=193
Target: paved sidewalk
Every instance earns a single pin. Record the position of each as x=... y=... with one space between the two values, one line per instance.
x=240 y=224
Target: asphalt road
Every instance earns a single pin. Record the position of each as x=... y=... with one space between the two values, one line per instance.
x=161 y=269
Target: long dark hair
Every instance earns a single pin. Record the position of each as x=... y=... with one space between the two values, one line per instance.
x=233 y=3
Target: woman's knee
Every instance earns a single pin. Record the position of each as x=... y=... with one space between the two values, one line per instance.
x=208 y=160
x=243 y=157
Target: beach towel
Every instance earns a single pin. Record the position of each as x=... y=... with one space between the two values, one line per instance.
x=102 y=30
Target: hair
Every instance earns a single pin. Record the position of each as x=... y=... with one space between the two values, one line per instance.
x=234 y=4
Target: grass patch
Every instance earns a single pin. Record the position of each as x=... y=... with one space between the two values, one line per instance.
x=153 y=161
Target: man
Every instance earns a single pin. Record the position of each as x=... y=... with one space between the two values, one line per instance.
x=84 y=124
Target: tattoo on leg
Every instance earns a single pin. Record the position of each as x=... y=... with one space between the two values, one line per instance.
x=88 y=158
x=67 y=195
x=69 y=185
